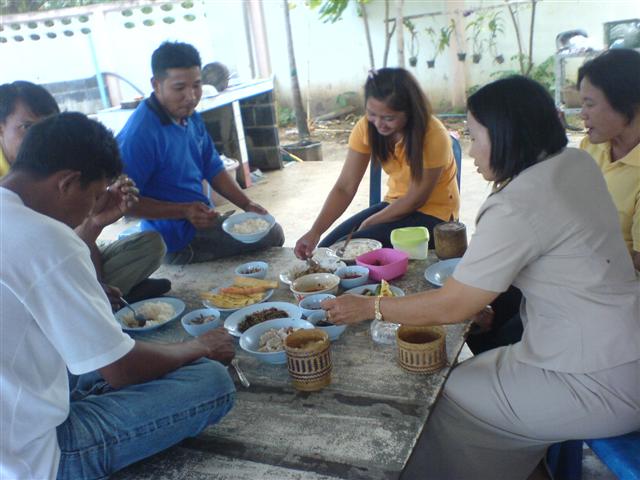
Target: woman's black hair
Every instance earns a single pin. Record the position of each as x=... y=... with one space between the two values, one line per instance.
x=523 y=124
x=399 y=91
x=69 y=141
x=617 y=73
x=173 y=55
x=36 y=98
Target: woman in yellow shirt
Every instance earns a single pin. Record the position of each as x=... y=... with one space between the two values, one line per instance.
x=610 y=91
x=21 y=105
x=414 y=149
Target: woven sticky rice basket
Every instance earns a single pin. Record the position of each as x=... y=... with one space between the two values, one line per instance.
x=421 y=349
x=308 y=359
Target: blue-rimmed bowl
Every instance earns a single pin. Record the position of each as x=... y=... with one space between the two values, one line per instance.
x=234 y=220
x=311 y=304
x=250 y=339
x=360 y=276
x=334 y=331
x=195 y=329
x=253 y=269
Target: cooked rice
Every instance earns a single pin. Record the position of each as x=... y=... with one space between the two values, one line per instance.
x=252 y=225
x=156 y=313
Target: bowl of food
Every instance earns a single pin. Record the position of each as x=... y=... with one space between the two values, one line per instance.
x=248 y=227
x=157 y=312
x=319 y=320
x=315 y=283
x=201 y=320
x=253 y=269
x=265 y=341
x=311 y=303
x=384 y=263
x=352 y=276
x=356 y=247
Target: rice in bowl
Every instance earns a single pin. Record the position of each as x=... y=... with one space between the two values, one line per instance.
x=156 y=313
x=250 y=226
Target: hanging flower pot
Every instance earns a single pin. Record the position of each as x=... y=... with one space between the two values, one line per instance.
x=500 y=58
x=477 y=57
x=462 y=56
x=413 y=61
x=431 y=63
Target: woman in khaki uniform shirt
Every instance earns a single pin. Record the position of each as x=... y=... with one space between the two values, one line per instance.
x=550 y=229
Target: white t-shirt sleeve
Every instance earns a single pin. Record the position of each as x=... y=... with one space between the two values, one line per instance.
x=502 y=246
x=76 y=317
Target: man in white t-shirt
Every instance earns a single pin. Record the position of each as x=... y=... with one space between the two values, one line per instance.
x=54 y=315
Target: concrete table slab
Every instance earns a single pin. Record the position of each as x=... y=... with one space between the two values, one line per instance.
x=364 y=425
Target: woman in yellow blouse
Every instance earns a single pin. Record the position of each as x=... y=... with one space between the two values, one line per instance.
x=399 y=132
x=610 y=92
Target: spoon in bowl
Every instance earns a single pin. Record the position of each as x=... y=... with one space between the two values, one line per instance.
x=136 y=316
x=340 y=251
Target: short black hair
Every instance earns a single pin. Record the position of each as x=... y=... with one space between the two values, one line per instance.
x=35 y=97
x=69 y=141
x=523 y=123
x=617 y=73
x=173 y=55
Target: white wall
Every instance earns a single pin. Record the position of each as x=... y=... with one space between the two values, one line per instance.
x=331 y=58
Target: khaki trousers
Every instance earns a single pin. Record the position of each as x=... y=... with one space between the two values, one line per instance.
x=128 y=261
x=497 y=416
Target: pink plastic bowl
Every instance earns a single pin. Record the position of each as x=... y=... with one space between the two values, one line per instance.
x=384 y=263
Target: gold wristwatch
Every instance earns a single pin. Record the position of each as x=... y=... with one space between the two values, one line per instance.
x=376 y=309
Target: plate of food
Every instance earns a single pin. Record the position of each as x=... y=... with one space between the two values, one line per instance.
x=158 y=312
x=241 y=320
x=356 y=247
x=438 y=273
x=230 y=302
x=328 y=262
x=375 y=289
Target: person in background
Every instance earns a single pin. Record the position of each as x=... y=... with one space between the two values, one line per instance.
x=123 y=266
x=135 y=398
x=169 y=153
x=610 y=91
x=399 y=132
x=550 y=229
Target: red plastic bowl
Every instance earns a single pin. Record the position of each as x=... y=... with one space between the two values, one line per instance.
x=384 y=263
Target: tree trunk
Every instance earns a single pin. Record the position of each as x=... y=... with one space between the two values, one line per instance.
x=400 y=34
x=531 y=29
x=365 y=19
x=301 y=116
x=517 y=30
x=388 y=31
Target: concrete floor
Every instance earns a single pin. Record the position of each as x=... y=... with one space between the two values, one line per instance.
x=295 y=195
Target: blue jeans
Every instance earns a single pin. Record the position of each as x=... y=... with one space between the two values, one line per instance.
x=109 y=429
x=380 y=231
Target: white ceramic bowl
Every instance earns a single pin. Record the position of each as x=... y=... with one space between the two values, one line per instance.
x=233 y=220
x=361 y=276
x=250 y=339
x=334 y=331
x=311 y=303
x=196 y=329
x=315 y=283
x=253 y=269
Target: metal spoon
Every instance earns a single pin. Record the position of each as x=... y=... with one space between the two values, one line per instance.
x=225 y=215
x=340 y=251
x=243 y=380
x=136 y=316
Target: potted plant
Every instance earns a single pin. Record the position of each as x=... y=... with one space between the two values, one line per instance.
x=496 y=27
x=462 y=55
x=414 y=46
x=433 y=39
x=476 y=27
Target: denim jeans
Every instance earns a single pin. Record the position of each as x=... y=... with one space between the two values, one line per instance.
x=108 y=429
x=380 y=231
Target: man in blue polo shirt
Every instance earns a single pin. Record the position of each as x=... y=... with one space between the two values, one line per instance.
x=167 y=151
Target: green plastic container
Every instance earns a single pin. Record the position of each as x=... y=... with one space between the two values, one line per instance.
x=412 y=240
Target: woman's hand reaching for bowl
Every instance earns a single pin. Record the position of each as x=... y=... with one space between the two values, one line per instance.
x=349 y=309
x=306 y=244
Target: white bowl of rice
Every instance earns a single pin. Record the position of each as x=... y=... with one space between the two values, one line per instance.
x=248 y=227
x=157 y=311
